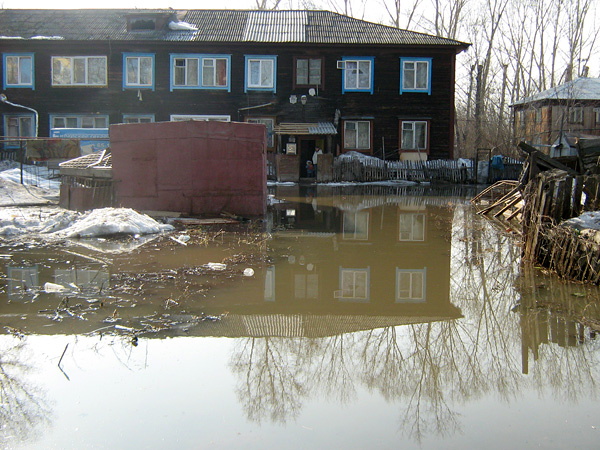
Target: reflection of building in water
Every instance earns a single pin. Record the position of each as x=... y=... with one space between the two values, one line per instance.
x=84 y=279
x=23 y=282
x=351 y=264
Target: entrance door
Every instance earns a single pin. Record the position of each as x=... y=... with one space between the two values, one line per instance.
x=307 y=148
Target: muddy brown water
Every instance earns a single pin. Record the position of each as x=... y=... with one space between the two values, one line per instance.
x=373 y=317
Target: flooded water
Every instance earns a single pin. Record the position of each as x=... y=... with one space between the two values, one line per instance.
x=373 y=317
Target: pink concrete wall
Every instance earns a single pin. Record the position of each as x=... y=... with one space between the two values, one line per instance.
x=194 y=167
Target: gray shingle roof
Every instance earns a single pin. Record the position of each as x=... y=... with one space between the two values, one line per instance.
x=578 y=89
x=317 y=27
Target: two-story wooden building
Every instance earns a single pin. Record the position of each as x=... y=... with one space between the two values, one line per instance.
x=314 y=78
x=572 y=108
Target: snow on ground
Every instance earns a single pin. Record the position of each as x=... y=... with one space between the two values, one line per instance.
x=589 y=220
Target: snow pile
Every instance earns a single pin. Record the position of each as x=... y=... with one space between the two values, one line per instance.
x=364 y=159
x=182 y=26
x=21 y=221
x=588 y=220
x=110 y=221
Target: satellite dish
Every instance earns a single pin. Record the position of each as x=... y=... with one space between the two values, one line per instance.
x=312 y=92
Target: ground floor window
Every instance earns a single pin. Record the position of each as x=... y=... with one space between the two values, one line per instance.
x=270 y=124
x=138 y=118
x=78 y=121
x=414 y=135
x=184 y=117
x=18 y=125
x=357 y=135
x=411 y=227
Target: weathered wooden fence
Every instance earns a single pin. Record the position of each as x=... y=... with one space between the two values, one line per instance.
x=550 y=198
x=452 y=171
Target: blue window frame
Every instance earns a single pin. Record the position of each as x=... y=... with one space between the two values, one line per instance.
x=79 y=121
x=197 y=71
x=138 y=118
x=415 y=75
x=358 y=73
x=261 y=73
x=18 y=70
x=138 y=71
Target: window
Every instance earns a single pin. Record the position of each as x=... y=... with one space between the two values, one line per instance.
x=18 y=125
x=414 y=135
x=357 y=135
x=260 y=73
x=270 y=124
x=308 y=71
x=79 y=71
x=138 y=71
x=78 y=121
x=597 y=115
x=358 y=74
x=575 y=114
x=412 y=227
x=410 y=285
x=138 y=118
x=18 y=70
x=538 y=115
x=200 y=71
x=415 y=75
x=354 y=284
x=184 y=117
x=356 y=225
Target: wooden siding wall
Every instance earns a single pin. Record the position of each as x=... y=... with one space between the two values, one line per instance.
x=385 y=105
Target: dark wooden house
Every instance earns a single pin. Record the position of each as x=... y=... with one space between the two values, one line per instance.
x=313 y=78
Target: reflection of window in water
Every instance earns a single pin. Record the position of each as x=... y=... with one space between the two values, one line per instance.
x=356 y=225
x=412 y=227
x=82 y=278
x=21 y=280
x=410 y=285
x=270 y=284
x=306 y=286
x=354 y=284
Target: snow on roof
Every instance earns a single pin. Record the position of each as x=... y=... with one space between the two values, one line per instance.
x=580 y=89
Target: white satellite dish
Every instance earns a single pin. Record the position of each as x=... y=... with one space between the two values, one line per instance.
x=312 y=92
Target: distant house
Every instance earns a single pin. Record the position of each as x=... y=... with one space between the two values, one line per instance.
x=313 y=78
x=570 y=109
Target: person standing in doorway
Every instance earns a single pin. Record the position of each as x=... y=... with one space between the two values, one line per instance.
x=315 y=158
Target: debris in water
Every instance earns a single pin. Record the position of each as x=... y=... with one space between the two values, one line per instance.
x=248 y=272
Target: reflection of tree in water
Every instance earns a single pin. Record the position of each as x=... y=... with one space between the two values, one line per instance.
x=430 y=367
x=22 y=406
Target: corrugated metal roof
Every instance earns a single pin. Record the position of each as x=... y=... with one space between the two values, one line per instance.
x=301 y=129
x=97 y=160
x=578 y=89
x=318 y=27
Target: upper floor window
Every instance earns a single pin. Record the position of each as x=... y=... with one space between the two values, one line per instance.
x=597 y=115
x=357 y=135
x=415 y=75
x=414 y=135
x=308 y=72
x=78 y=121
x=357 y=74
x=79 y=71
x=138 y=118
x=410 y=285
x=193 y=71
x=18 y=70
x=138 y=70
x=538 y=115
x=354 y=284
x=412 y=227
x=260 y=73
x=207 y=117
x=575 y=114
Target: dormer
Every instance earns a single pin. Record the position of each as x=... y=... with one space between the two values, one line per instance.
x=148 y=21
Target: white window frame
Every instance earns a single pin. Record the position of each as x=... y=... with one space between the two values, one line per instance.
x=412 y=127
x=205 y=117
x=416 y=291
x=411 y=227
x=25 y=70
x=138 y=118
x=575 y=114
x=266 y=64
x=355 y=225
x=310 y=62
x=354 y=284
x=79 y=120
x=411 y=72
x=135 y=79
x=355 y=135
x=72 y=61
x=597 y=115
x=352 y=68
